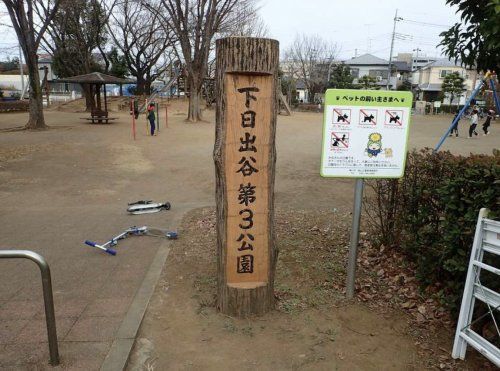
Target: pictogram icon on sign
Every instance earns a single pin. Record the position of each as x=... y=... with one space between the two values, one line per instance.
x=368 y=117
x=340 y=140
x=341 y=116
x=394 y=117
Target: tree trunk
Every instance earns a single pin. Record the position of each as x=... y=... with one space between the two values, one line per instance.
x=195 y=88
x=147 y=87
x=140 y=87
x=36 y=120
x=88 y=93
x=246 y=91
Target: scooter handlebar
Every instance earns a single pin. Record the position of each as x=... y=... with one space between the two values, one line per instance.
x=93 y=244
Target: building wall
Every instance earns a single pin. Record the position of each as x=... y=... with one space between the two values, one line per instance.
x=365 y=70
x=404 y=57
x=424 y=76
x=302 y=95
x=12 y=81
x=420 y=62
x=435 y=75
x=50 y=73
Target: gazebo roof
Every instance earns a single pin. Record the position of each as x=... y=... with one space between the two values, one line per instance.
x=96 y=78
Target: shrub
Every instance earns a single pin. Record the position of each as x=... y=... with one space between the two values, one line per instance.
x=431 y=214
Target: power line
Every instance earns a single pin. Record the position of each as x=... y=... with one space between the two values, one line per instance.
x=425 y=23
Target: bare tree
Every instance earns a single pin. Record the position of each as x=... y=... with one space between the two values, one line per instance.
x=308 y=59
x=30 y=30
x=195 y=23
x=74 y=36
x=143 y=37
x=245 y=21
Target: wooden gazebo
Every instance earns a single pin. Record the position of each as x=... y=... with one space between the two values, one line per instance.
x=97 y=81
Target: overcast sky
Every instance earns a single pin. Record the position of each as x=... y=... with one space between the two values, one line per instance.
x=365 y=25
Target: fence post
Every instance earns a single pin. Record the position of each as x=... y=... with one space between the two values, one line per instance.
x=48 y=298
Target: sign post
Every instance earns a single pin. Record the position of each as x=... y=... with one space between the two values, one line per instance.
x=245 y=155
x=365 y=135
x=353 y=246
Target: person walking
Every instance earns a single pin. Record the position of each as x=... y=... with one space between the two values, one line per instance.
x=487 y=122
x=473 y=123
x=455 y=127
x=151 y=118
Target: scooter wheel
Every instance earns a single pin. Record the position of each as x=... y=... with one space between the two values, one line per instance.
x=167 y=206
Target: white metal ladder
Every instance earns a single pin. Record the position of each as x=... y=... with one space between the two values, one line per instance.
x=486 y=239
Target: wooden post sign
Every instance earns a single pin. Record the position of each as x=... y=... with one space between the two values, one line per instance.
x=244 y=155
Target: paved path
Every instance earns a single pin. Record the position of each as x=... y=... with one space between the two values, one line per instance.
x=70 y=184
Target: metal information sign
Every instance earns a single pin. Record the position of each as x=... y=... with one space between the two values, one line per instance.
x=365 y=133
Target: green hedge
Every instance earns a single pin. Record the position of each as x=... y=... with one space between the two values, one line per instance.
x=431 y=214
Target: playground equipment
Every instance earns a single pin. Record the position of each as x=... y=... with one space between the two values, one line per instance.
x=284 y=104
x=495 y=95
x=164 y=89
x=147 y=207
x=488 y=77
x=178 y=79
x=486 y=241
x=132 y=231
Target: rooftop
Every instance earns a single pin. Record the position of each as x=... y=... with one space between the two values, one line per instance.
x=430 y=87
x=96 y=78
x=366 y=59
x=443 y=62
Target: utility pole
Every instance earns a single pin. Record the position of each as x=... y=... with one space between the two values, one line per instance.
x=389 y=68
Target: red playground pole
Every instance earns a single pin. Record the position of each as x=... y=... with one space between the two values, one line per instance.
x=132 y=105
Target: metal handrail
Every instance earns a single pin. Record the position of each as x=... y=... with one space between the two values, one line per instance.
x=48 y=299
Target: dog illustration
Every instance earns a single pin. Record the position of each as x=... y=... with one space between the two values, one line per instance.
x=394 y=119
x=368 y=118
x=342 y=118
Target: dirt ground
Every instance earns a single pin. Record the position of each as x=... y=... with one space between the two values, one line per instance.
x=313 y=327
x=61 y=185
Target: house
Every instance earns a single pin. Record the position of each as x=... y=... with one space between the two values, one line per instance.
x=415 y=63
x=302 y=93
x=401 y=72
x=370 y=65
x=45 y=62
x=416 y=66
x=431 y=78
